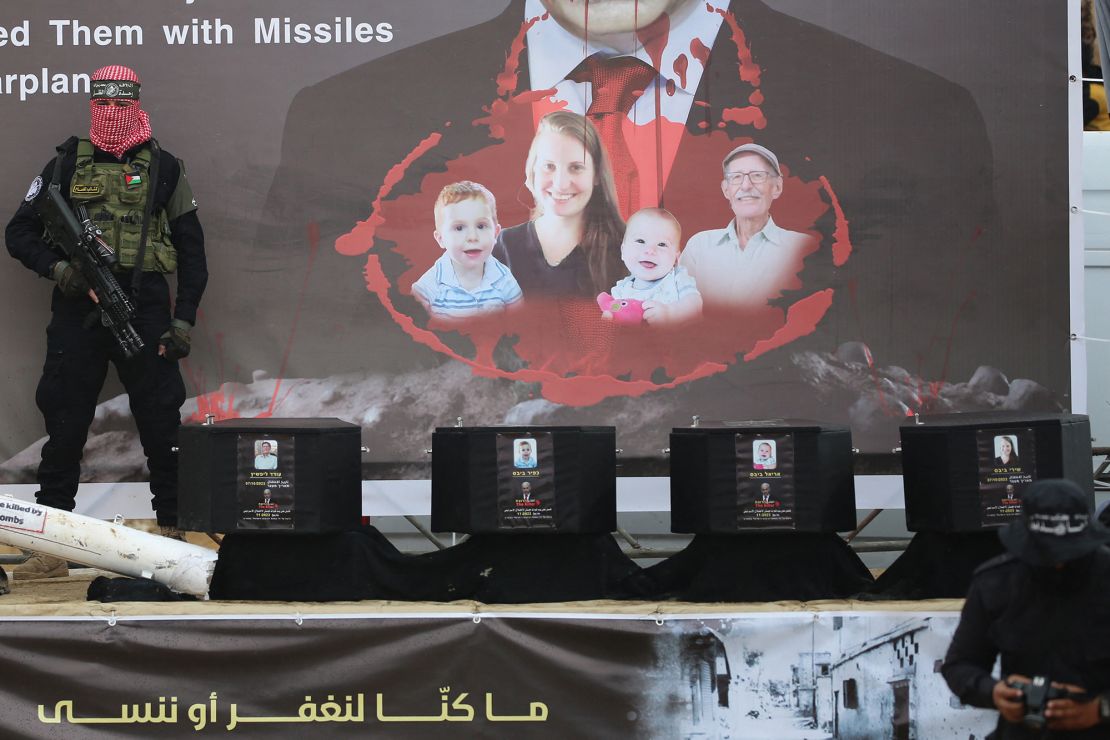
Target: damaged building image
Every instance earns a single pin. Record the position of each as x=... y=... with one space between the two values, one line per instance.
x=809 y=677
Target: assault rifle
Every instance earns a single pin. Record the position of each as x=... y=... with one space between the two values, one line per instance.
x=84 y=244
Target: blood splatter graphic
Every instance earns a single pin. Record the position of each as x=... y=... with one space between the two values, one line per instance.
x=361 y=239
x=654 y=38
x=842 y=246
x=749 y=70
x=748 y=116
x=507 y=79
x=699 y=50
x=801 y=319
x=563 y=344
x=219 y=403
x=681 y=67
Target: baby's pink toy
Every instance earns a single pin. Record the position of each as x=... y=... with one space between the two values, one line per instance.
x=624 y=310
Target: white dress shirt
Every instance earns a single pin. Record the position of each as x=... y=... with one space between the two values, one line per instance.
x=554 y=52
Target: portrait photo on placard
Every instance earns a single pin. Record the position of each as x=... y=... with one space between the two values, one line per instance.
x=265 y=454
x=526 y=480
x=765 y=492
x=266 y=482
x=524 y=453
x=1007 y=466
x=763 y=454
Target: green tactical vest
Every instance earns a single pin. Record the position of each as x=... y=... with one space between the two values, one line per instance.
x=116 y=197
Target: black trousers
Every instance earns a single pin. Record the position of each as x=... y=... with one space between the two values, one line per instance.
x=77 y=360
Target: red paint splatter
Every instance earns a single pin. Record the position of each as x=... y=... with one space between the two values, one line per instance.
x=509 y=76
x=681 y=66
x=215 y=403
x=361 y=238
x=654 y=37
x=756 y=98
x=926 y=396
x=219 y=403
x=579 y=390
x=964 y=306
x=749 y=70
x=501 y=111
x=801 y=319
x=577 y=358
x=497 y=110
x=842 y=245
x=699 y=50
x=586 y=22
x=749 y=116
x=670 y=87
x=931 y=397
x=550 y=345
x=889 y=403
x=313 y=251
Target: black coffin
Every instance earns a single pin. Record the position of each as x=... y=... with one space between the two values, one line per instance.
x=722 y=481
x=296 y=476
x=524 y=479
x=956 y=480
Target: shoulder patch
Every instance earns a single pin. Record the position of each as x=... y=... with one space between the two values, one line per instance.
x=34 y=190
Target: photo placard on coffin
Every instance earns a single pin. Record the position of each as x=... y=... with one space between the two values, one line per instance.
x=297 y=476
x=966 y=472
x=767 y=475
x=520 y=479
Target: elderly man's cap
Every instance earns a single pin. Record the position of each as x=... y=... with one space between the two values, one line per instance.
x=755 y=149
x=1056 y=525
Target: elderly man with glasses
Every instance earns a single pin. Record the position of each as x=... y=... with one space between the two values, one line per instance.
x=752 y=259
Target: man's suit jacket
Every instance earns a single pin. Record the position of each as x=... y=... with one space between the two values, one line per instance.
x=904 y=150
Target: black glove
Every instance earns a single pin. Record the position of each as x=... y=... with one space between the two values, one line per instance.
x=175 y=343
x=70 y=280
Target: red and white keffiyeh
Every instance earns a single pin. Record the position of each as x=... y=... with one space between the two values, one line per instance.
x=113 y=128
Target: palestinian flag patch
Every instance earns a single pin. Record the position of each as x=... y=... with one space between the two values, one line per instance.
x=132 y=180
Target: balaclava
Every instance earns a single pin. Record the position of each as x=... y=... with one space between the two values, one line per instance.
x=116 y=129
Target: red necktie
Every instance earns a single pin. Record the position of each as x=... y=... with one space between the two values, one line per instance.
x=616 y=84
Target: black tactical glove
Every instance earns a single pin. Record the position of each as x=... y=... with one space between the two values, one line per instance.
x=175 y=343
x=70 y=280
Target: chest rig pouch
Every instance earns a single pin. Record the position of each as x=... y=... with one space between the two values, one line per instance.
x=118 y=197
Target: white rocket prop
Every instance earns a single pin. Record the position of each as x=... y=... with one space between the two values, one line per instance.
x=182 y=567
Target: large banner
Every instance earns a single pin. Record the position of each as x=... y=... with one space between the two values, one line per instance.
x=417 y=210
x=756 y=676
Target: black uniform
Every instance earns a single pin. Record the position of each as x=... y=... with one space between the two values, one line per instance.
x=1042 y=623
x=77 y=357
